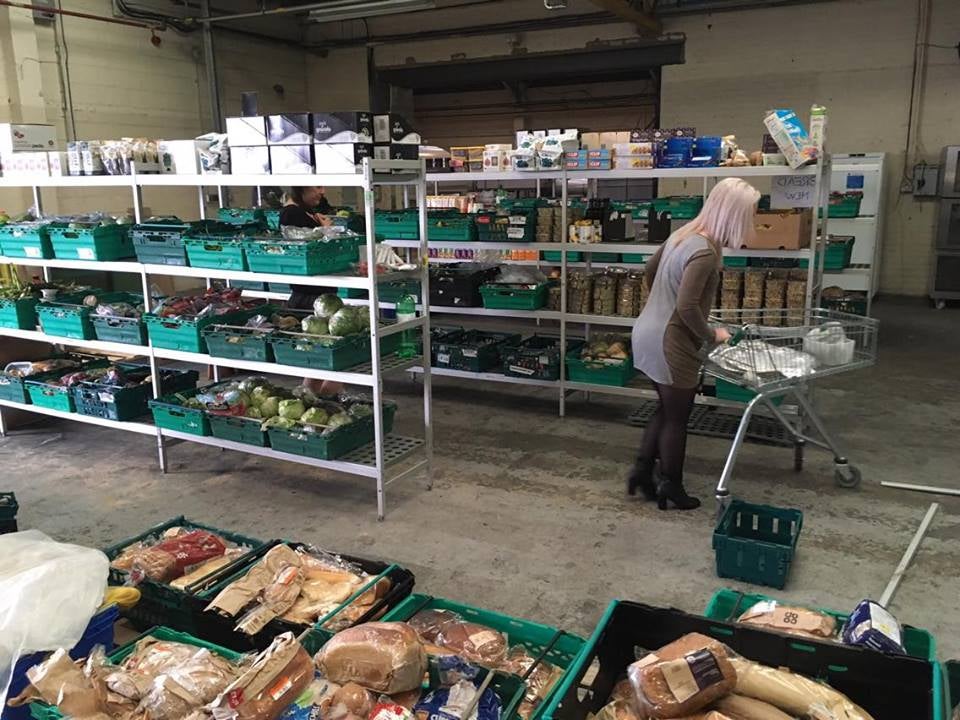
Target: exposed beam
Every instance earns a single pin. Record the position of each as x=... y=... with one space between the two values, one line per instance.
x=646 y=23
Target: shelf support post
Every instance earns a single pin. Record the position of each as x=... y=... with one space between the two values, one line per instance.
x=425 y=330
x=154 y=371
x=563 y=289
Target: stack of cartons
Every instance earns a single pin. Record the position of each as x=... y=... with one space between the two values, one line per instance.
x=548 y=222
x=731 y=289
x=774 y=296
x=796 y=296
x=753 y=282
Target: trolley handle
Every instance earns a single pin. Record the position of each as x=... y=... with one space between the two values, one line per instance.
x=739 y=335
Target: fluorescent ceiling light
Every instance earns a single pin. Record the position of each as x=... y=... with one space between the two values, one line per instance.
x=351 y=9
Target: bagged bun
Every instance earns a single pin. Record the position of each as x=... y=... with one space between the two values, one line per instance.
x=675 y=688
x=473 y=642
x=429 y=622
x=789 y=619
x=383 y=657
x=351 y=699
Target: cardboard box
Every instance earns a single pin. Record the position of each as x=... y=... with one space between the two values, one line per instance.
x=633 y=148
x=608 y=140
x=22 y=137
x=289 y=129
x=247 y=131
x=786 y=230
x=25 y=164
x=251 y=160
x=394 y=128
x=396 y=151
x=340 y=157
x=291 y=159
x=178 y=157
x=496 y=160
x=74 y=159
x=59 y=163
x=601 y=154
x=632 y=162
x=343 y=127
x=791 y=137
x=90 y=158
x=598 y=164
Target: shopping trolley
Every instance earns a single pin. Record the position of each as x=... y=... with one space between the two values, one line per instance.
x=778 y=353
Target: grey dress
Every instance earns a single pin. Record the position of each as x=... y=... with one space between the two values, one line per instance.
x=671 y=331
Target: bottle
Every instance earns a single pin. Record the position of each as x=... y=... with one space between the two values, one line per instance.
x=407 y=310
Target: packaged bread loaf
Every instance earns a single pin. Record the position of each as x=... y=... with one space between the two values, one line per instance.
x=679 y=687
x=474 y=642
x=429 y=622
x=383 y=657
x=794 y=694
x=790 y=619
x=738 y=707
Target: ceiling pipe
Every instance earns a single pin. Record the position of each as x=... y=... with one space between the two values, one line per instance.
x=83 y=16
x=339 y=4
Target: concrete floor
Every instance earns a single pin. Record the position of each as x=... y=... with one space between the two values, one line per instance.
x=528 y=514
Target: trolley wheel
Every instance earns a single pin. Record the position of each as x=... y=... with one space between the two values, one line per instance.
x=798 y=448
x=847 y=476
x=940 y=304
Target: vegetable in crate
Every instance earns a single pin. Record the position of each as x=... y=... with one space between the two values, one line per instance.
x=326 y=305
x=315 y=325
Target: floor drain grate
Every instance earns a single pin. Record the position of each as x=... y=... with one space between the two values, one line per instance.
x=395 y=447
x=717 y=422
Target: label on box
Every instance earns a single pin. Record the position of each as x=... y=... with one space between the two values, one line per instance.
x=86 y=254
x=443 y=358
x=515 y=233
x=105 y=397
x=33 y=252
x=469 y=352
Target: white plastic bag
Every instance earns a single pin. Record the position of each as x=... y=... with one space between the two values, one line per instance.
x=48 y=593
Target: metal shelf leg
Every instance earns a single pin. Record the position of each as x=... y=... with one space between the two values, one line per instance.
x=722 y=491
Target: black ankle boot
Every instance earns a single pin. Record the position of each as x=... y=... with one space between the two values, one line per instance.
x=674 y=491
x=641 y=476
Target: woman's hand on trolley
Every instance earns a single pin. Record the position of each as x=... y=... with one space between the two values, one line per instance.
x=721 y=335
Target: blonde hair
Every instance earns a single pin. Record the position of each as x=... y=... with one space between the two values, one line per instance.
x=727 y=214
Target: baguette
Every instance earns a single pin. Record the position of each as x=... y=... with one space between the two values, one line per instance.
x=738 y=707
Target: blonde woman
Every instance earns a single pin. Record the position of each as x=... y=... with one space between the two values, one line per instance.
x=670 y=335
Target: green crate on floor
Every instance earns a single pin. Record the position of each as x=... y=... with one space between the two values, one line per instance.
x=238 y=343
x=170 y=413
x=238 y=429
x=67 y=318
x=159 y=241
x=838 y=256
x=91 y=242
x=330 y=446
x=245 y=216
x=472 y=350
x=546 y=643
x=320 y=352
x=185 y=333
x=855 y=304
x=727 y=605
x=512 y=296
x=756 y=543
x=99 y=399
x=727 y=390
x=20 y=314
x=556 y=256
x=599 y=372
x=130 y=331
x=289 y=257
x=26 y=240
x=638 y=258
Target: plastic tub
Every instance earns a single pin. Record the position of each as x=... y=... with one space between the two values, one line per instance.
x=829 y=344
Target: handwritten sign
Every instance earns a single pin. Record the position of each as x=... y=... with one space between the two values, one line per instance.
x=793 y=191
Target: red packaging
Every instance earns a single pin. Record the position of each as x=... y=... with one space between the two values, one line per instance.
x=169 y=559
x=390 y=711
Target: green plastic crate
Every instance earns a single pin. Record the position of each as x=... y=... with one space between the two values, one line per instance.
x=334 y=444
x=398 y=225
x=505 y=296
x=556 y=256
x=838 y=256
x=92 y=242
x=244 y=216
x=393 y=291
x=238 y=429
x=352 y=293
x=130 y=331
x=238 y=343
x=681 y=207
x=161 y=603
x=21 y=314
x=597 y=372
x=471 y=350
x=128 y=403
x=289 y=257
x=727 y=390
x=557 y=647
x=169 y=413
x=42 y=711
x=727 y=605
x=279 y=287
x=26 y=240
x=216 y=254
x=322 y=353
x=638 y=258
x=843 y=205
x=855 y=304
x=537 y=357
x=185 y=333
x=756 y=543
x=13 y=389
x=50 y=395
x=160 y=241
x=734 y=261
x=451 y=228
x=490 y=230
x=952 y=689
x=68 y=319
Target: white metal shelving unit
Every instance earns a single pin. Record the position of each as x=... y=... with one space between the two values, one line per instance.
x=379 y=460
x=708 y=175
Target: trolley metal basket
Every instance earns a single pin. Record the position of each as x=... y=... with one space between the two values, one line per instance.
x=778 y=353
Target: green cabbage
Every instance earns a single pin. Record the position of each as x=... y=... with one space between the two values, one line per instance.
x=259 y=394
x=270 y=407
x=315 y=325
x=344 y=322
x=326 y=305
x=314 y=416
x=254 y=412
x=278 y=422
x=292 y=409
x=339 y=420
x=360 y=410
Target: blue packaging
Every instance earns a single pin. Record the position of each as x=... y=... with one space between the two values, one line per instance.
x=707 y=151
x=449 y=703
x=678 y=149
x=871 y=625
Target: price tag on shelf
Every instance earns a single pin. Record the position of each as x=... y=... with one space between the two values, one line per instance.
x=85 y=254
x=793 y=191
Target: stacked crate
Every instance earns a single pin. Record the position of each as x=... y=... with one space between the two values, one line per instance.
x=774 y=296
x=796 y=295
x=548 y=224
x=753 y=285
x=731 y=289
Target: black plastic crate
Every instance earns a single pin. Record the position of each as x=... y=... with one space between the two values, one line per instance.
x=8 y=512
x=539 y=356
x=221 y=629
x=889 y=687
x=459 y=285
x=472 y=350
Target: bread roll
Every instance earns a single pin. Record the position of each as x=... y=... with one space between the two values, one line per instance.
x=351 y=699
x=674 y=688
x=383 y=657
x=473 y=642
x=738 y=707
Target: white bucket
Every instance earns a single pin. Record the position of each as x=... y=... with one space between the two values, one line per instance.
x=829 y=345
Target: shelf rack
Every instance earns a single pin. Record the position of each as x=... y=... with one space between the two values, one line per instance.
x=381 y=460
x=708 y=175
